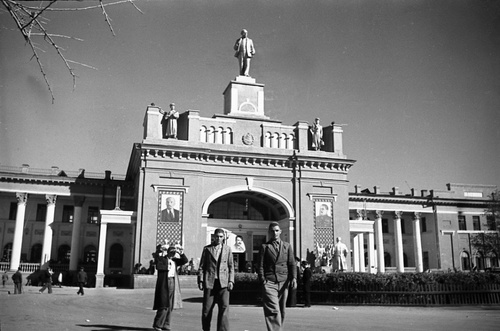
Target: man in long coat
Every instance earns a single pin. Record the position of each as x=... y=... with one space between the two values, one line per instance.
x=167 y=260
x=216 y=279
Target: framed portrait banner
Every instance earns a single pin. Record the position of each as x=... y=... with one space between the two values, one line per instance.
x=170 y=216
x=323 y=222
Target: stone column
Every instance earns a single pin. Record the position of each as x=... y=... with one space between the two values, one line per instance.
x=361 y=243
x=419 y=264
x=101 y=256
x=15 y=259
x=355 y=255
x=398 y=238
x=371 y=253
x=75 y=234
x=379 y=237
x=47 y=234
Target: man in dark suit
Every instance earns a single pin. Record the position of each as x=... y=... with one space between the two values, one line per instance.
x=216 y=279
x=277 y=272
x=170 y=214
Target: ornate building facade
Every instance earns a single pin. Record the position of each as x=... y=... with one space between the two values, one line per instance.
x=238 y=170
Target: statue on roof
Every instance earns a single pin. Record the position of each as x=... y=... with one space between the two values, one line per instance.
x=244 y=52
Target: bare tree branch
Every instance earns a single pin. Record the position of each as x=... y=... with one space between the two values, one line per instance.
x=30 y=22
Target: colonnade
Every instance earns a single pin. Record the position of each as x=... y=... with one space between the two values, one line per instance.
x=375 y=238
x=22 y=200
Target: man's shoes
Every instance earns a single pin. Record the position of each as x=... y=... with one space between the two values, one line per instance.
x=156 y=329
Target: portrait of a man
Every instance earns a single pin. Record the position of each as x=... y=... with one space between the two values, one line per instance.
x=239 y=245
x=323 y=216
x=170 y=210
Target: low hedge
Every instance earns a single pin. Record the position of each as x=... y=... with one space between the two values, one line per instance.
x=247 y=289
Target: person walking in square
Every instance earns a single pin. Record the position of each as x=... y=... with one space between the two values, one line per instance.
x=167 y=259
x=216 y=280
x=306 y=281
x=17 y=278
x=277 y=272
x=47 y=281
x=5 y=278
x=81 y=280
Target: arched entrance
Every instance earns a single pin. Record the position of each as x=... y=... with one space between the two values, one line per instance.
x=245 y=215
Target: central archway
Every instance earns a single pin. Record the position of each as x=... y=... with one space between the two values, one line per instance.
x=246 y=213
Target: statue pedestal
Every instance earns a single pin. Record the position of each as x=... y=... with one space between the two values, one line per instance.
x=244 y=97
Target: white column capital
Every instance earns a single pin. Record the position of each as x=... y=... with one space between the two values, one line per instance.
x=379 y=213
x=51 y=199
x=22 y=198
x=416 y=216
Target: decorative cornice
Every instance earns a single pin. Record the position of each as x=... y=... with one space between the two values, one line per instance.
x=238 y=158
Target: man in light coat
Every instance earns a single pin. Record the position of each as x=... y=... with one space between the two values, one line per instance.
x=244 y=52
x=216 y=279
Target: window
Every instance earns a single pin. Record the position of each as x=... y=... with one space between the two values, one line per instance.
x=67 y=216
x=36 y=253
x=90 y=255
x=461 y=222
x=93 y=215
x=465 y=260
x=13 y=211
x=423 y=224
x=41 y=212
x=385 y=225
x=403 y=228
x=476 y=223
x=63 y=254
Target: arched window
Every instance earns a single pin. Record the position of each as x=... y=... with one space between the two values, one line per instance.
x=116 y=256
x=493 y=260
x=203 y=134
x=7 y=252
x=36 y=253
x=90 y=255
x=465 y=260
x=291 y=141
x=63 y=253
x=268 y=138
x=478 y=259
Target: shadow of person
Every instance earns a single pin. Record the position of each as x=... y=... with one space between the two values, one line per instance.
x=104 y=327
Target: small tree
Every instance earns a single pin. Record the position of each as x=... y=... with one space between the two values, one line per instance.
x=489 y=242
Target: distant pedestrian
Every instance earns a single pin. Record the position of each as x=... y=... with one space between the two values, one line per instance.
x=81 y=279
x=17 y=278
x=306 y=281
x=47 y=280
x=59 y=279
x=5 y=278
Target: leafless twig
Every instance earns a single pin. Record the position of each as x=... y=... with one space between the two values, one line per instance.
x=30 y=23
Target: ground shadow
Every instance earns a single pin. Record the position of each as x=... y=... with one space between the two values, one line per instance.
x=104 y=327
x=196 y=299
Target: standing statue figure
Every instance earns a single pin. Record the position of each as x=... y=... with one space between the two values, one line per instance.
x=244 y=52
x=169 y=122
x=339 y=255
x=317 y=135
